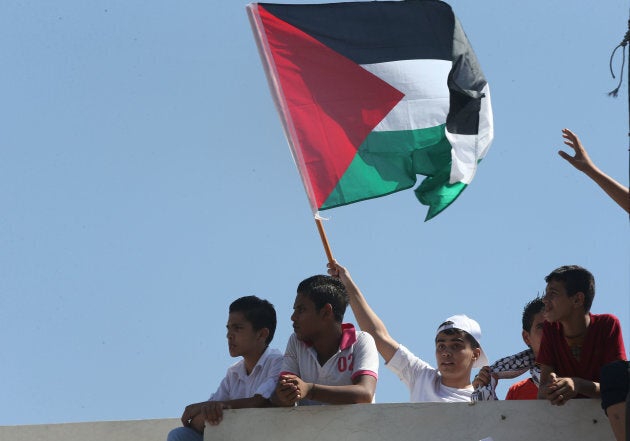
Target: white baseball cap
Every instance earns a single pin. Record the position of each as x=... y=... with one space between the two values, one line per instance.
x=465 y=323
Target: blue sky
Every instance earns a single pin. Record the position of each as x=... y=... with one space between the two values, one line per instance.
x=145 y=183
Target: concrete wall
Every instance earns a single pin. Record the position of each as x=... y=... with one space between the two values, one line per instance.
x=499 y=421
x=143 y=430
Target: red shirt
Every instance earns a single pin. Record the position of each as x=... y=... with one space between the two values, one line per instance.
x=603 y=344
x=523 y=390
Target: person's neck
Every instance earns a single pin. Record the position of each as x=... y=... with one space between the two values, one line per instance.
x=327 y=344
x=457 y=383
x=251 y=360
x=575 y=327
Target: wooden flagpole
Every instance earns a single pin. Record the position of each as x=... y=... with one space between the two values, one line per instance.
x=322 y=235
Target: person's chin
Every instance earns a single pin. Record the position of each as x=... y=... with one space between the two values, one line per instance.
x=303 y=338
x=448 y=369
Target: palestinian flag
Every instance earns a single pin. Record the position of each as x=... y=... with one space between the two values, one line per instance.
x=372 y=94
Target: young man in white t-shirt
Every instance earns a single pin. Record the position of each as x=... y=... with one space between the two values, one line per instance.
x=326 y=361
x=457 y=350
x=249 y=382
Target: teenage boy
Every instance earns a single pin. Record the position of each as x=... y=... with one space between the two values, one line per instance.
x=575 y=344
x=326 y=361
x=249 y=382
x=533 y=322
x=457 y=350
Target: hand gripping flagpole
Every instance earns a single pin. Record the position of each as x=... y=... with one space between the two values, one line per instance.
x=322 y=235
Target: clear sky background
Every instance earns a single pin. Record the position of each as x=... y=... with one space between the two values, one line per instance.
x=145 y=183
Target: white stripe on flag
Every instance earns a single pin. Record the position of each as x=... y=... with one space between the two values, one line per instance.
x=424 y=83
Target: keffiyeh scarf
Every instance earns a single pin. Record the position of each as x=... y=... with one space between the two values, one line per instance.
x=507 y=367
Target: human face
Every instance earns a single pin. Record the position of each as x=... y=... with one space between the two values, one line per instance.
x=305 y=318
x=558 y=304
x=243 y=340
x=534 y=336
x=455 y=358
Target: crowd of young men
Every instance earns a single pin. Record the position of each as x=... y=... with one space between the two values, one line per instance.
x=327 y=361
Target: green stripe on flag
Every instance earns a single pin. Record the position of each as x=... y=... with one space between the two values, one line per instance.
x=388 y=162
x=437 y=193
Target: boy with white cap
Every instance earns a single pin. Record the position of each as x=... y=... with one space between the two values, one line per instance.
x=457 y=350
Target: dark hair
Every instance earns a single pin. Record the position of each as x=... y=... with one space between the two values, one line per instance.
x=529 y=311
x=260 y=313
x=325 y=289
x=576 y=279
x=463 y=334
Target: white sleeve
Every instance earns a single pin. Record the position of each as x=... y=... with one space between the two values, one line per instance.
x=271 y=372
x=407 y=366
x=365 y=356
x=223 y=392
x=290 y=362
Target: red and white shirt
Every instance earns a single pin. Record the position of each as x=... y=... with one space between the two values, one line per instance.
x=357 y=355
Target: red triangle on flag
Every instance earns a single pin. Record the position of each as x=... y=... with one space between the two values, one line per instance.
x=333 y=102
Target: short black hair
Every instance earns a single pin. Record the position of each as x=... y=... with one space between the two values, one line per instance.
x=529 y=311
x=463 y=334
x=260 y=313
x=576 y=279
x=321 y=290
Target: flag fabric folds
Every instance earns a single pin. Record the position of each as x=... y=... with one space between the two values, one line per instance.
x=372 y=94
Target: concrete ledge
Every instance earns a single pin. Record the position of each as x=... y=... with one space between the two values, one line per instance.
x=497 y=420
x=141 y=430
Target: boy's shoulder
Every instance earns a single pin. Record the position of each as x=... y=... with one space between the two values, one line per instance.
x=271 y=353
x=603 y=322
x=270 y=356
x=523 y=390
x=604 y=318
x=597 y=321
x=352 y=337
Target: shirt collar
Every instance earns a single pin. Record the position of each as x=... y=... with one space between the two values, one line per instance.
x=348 y=336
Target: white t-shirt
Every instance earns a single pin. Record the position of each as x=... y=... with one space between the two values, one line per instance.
x=423 y=381
x=261 y=381
x=357 y=355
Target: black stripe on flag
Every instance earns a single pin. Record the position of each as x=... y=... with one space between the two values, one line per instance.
x=376 y=32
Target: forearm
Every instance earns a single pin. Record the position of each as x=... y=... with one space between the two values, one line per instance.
x=277 y=401
x=242 y=403
x=545 y=378
x=350 y=394
x=370 y=322
x=617 y=192
x=587 y=388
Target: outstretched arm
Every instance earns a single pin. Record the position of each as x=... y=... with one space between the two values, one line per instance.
x=583 y=162
x=367 y=319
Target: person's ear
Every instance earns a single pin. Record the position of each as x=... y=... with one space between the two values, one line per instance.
x=526 y=339
x=327 y=311
x=263 y=333
x=476 y=353
x=578 y=299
